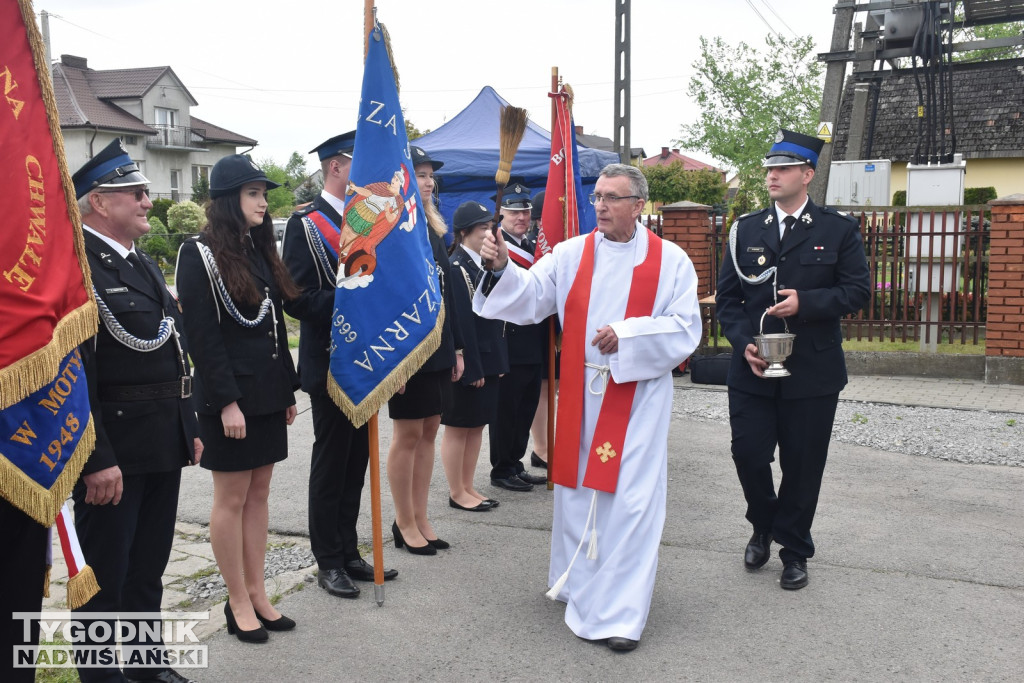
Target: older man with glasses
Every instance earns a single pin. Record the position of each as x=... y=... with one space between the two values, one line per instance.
x=146 y=430
x=627 y=301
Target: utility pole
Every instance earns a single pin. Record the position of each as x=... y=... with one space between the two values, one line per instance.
x=832 y=96
x=622 y=94
x=44 y=19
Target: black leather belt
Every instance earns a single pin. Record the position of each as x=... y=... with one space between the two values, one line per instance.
x=180 y=388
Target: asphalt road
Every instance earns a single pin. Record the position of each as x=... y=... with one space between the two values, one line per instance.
x=917 y=577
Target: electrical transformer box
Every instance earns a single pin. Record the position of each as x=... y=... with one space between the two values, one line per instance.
x=859 y=183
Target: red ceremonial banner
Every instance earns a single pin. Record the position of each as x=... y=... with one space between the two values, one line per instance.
x=560 y=218
x=46 y=306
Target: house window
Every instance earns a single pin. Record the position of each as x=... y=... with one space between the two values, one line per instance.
x=166 y=124
x=200 y=172
x=175 y=185
x=130 y=139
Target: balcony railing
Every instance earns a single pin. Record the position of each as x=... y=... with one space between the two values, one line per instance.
x=180 y=137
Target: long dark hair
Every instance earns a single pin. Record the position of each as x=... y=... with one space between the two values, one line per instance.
x=225 y=235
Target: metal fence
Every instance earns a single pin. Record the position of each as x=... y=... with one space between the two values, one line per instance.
x=929 y=273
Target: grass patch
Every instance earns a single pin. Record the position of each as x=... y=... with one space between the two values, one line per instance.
x=48 y=675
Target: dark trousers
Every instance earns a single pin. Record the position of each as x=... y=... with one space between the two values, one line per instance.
x=127 y=546
x=337 y=469
x=801 y=428
x=509 y=433
x=22 y=573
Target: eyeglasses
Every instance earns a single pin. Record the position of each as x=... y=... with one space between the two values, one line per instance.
x=610 y=198
x=139 y=192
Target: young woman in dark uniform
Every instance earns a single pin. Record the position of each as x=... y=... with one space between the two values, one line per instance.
x=485 y=353
x=231 y=283
x=416 y=411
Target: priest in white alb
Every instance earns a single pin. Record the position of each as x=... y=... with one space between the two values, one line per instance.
x=627 y=301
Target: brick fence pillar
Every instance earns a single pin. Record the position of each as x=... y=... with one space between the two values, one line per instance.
x=688 y=225
x=1004 y=329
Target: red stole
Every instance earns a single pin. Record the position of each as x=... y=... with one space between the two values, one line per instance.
x=602 y=471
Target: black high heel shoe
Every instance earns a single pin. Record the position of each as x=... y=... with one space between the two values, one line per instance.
x=282 y=623
x=439 y=544
x=536 y=461
x=427 y=549
x=256 y=635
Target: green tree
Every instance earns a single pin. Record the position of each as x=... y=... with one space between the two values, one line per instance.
x=411 y=131
x=201 y=190
x=185 y=217
x=745 y=95
x=673 y=183
x=986 y=32
x=308 y=190
x=280 y=200
x=295 y=169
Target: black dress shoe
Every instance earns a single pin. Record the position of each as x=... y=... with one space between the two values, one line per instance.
x=622 y=644
x=256 y=635
x=282 y=623
x=794 y=575
x=361 y=570
x=165 y=676
x=536 y=461
x=337 y=582
x=532 y=478
x=439 y=544
x=414 y=549
x=759 y=549
x=513 y=483
x=482 y=506
x=493 y=502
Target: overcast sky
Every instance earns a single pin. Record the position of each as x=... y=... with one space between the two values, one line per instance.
x=288 y=72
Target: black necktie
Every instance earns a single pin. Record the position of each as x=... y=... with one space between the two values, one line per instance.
x=136 y=262
x=790 y=221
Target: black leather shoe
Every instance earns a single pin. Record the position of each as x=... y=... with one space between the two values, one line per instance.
x=482 y=506
x=513 y=483
x=165 y=676
x=361 y=570
x=493 y=502
x=794 y=575
x=622 y=644
x=537 y=462
x=759 y=549
x=282 y=623
x=337 y=582
x=532 y=478
x=256 y=635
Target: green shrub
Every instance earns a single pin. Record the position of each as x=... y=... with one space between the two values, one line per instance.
x=899 y=198
x=159 y=210
x=186 y=217
x=979 y=195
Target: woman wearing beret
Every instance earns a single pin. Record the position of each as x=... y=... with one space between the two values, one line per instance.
x=475 y=397
x=231 y=283
x=416 y=411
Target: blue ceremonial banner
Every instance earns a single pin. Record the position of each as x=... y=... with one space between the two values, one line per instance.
x=387 y=306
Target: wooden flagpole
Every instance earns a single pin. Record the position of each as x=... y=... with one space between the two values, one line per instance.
x=374 y=465
x=551 y=321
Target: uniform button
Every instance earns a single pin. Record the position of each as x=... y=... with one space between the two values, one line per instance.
x=783 y=258
x=120 y=413
x=131 y=303
x=270 y=334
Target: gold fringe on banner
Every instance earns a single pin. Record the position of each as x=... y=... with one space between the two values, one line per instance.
x=41 y=504
x=46 y=581
x=81 y=588
x=389 y=386
x=29 y=374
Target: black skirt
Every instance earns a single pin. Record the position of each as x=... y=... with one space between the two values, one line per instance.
x=265 y=442
x=473 y=407
x=426 y=394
